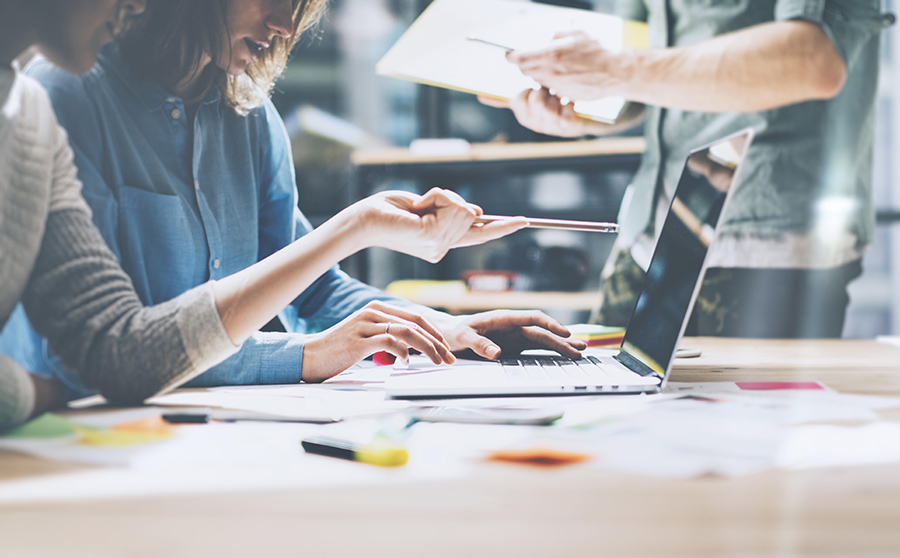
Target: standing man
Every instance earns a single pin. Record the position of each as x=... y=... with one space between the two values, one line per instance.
x=803 y=74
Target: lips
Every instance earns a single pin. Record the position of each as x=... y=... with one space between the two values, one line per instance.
x=256 y=48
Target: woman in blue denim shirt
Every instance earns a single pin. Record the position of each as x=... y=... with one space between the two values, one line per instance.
x=188 y=170
x=57 y=264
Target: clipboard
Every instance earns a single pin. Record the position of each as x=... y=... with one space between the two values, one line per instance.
x=438 y=49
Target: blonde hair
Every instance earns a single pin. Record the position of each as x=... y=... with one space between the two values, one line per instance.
x=173 y=39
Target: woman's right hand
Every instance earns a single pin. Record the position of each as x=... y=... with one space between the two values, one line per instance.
x=378 y=326
x=426 y=226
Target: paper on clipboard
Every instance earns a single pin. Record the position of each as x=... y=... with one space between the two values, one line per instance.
x=437 y=49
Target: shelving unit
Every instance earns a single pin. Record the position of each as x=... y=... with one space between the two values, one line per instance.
x=512 y=300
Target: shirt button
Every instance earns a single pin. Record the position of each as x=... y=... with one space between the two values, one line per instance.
x=216 y=263
x=176 y=114
x=171 y=99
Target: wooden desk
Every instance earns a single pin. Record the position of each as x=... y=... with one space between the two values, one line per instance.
x=513 y=511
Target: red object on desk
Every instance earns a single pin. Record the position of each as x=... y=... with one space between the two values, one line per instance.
x=383 y=358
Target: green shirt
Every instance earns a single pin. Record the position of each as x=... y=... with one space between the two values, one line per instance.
x=809 y=163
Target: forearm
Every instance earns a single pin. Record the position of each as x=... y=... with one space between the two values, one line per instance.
x=759 y=68
x=81 y=300
x=248 y=299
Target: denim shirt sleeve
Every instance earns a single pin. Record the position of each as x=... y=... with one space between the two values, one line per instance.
x=848 y=23
x=277 y=358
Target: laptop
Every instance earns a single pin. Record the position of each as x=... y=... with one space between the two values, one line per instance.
x=657 y=323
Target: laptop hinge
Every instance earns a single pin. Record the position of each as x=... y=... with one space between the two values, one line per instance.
x=637 y=366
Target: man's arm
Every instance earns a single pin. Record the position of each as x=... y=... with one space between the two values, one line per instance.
x=759 y=68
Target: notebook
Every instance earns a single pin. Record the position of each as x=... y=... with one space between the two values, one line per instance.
x=660 y=316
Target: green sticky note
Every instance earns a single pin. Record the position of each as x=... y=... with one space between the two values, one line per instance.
x=47 y=425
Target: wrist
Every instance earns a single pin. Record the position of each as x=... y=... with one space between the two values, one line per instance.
x=352 y=229
x=308 y=362
x=624 y=69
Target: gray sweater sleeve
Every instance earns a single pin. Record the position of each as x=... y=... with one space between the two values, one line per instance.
x=76 y=295
x=81 y=300
x=84 y=303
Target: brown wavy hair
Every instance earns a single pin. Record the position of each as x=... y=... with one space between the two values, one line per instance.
x=172 y=39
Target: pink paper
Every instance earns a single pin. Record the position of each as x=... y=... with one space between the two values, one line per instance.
x=767 y=386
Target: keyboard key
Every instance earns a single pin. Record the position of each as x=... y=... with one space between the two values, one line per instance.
x=551 y=367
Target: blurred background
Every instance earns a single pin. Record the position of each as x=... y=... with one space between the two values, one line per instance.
x=343 y=119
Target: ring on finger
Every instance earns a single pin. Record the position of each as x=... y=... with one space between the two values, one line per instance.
x=387 y=328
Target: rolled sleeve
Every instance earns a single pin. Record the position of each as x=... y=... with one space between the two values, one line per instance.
x=265 y=358
x=849 y=24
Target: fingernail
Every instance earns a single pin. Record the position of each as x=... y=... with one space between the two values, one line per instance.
x=493 y=351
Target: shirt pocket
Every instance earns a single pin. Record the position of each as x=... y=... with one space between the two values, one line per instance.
x=162 y=244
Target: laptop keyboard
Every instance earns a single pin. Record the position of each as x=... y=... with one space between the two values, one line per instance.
x=585 y=371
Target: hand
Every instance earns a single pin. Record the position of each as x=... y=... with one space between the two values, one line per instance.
x=49 y=394
x=507 y=332
x=430 y=225
x=378 y=326
x=573 y=66
x=544 y=113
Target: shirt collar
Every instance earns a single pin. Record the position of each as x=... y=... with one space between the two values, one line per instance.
x=7 y=79
x=151 y=92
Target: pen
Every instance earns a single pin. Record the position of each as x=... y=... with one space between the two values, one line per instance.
x=485 y=41
x=373 y=454
x=236 y=416
x=186 y=418
x=590 y=226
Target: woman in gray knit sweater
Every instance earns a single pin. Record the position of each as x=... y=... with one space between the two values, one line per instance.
x=55 y=262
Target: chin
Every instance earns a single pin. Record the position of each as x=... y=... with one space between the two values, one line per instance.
x=75 y=63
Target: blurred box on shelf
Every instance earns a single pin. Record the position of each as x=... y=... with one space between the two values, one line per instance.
x=415 y=289
x=487 y=280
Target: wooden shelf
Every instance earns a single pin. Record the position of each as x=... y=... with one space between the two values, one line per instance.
x=513 y=300
x=503 y=152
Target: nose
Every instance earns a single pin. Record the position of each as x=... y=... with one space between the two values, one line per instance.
x=280 y=20
x=133 y=7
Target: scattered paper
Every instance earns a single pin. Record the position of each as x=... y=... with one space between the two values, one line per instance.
x=824 y=445
x=300 y=403
x=687 y=431
x=889 y=340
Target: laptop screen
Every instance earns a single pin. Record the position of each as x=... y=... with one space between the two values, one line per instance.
x=676 y=269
